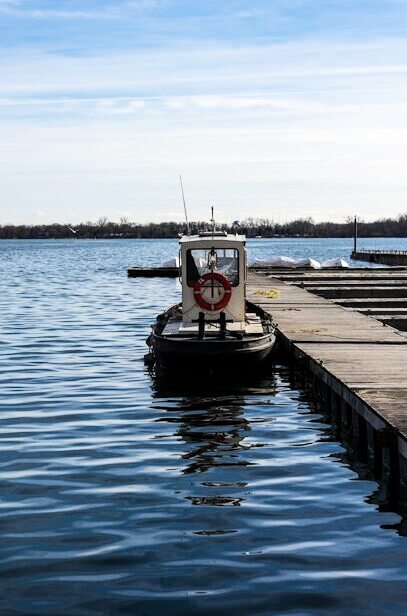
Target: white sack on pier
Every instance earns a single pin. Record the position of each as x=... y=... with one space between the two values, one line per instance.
x=307 y=262
x=174 y=262
x=337 y=262
x=273 y=262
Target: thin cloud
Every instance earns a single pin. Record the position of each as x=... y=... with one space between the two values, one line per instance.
x=122 y=106
x=222 y=70
x=18 y=8
x=106 y=106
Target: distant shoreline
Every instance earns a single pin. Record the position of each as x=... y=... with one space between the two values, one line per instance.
x=253 y=228
x=249 y=237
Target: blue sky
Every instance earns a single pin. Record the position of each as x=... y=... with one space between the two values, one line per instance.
x=274 y=109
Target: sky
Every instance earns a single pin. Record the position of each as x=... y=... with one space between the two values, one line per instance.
x=272 y=109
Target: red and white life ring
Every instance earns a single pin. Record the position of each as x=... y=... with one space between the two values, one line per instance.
x=200 y=285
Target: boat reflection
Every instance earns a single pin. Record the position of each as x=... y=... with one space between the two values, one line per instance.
x=215 y=434
x=211 y=421
x=214 y=429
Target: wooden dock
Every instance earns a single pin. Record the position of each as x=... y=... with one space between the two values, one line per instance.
x=360 y=363
x=379 y=292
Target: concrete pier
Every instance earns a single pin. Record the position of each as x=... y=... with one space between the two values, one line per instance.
x=387 y=257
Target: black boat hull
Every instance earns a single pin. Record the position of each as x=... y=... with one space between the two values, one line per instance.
x=209 y=354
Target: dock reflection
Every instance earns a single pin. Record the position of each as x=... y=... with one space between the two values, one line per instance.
x=385 y=497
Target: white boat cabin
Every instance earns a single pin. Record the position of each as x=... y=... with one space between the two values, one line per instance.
x=213 y=273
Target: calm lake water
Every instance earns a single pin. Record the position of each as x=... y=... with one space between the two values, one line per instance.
x=121 y=495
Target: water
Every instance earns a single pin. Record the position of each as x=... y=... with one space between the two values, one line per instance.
x=322 y=249
x=123 y=495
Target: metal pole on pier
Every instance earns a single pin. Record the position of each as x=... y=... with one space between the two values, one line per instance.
x=355 y=233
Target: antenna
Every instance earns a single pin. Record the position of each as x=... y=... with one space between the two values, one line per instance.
x=213 y=222
x=185 y=206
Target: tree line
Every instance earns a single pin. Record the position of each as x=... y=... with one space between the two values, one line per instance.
x=251 y=227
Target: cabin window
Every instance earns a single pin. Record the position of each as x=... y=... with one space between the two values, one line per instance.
x=227 y=264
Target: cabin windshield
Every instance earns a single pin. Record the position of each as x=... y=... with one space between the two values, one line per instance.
x=226 y=259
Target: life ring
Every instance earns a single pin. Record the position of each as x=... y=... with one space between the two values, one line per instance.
x=223 y=282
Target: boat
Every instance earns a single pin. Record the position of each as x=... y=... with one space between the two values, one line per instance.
x=214 y=328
